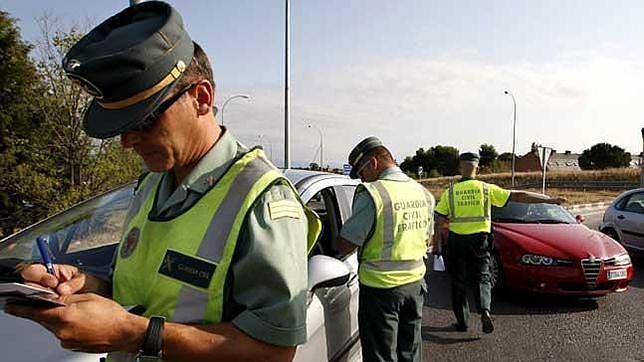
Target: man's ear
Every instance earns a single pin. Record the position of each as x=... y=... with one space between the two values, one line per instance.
x=205 y=97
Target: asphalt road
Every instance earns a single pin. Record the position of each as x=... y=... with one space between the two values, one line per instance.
x=535 y=328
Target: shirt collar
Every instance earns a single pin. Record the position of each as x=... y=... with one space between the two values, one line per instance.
x=213 y=165
x=208 y=170
x=393 y=173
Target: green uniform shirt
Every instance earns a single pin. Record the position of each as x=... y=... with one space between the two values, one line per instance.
x=359 y=226
x=267 y=300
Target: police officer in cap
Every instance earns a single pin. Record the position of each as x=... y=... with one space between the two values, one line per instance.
x=392 y=224
x=466 y=205
x=214 y=250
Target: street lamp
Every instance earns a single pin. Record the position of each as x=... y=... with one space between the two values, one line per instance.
x=514 y=133
x=310 y=125
x=261 y=137
x=223 y=107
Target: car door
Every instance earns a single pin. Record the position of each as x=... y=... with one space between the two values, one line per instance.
x=630 y=220
x=85 y=235
x=331 y=198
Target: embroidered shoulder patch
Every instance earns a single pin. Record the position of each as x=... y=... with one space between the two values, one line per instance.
x=284 y=208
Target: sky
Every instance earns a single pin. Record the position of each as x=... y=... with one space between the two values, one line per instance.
x=416 y=73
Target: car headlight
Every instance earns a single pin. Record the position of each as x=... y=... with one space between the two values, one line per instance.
x=533 y=259
x=623 y=259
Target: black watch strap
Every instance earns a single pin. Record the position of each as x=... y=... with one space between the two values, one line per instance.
x=153 y=340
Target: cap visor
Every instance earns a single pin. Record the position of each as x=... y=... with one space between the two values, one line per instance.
x=105 y=123
x=354 y=173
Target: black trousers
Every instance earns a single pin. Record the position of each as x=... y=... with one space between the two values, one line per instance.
x=468 y=256
x=390 y=322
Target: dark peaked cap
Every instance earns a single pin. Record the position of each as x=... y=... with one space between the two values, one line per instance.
x=359 y=151
x=129 y=63
x=469 y=156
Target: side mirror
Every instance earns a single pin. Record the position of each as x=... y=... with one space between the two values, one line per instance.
x=580 y=219
x=326 y=272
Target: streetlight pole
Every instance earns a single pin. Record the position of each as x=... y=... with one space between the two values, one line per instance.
x=287 y=115
x=310 y=125
x=514 y=133
x=223 y=106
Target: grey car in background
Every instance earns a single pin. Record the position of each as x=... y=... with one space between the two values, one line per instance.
x=624 y=220
x=87 y=234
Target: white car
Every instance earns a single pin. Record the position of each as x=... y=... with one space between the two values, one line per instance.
x=86 y=235
x=624 y=220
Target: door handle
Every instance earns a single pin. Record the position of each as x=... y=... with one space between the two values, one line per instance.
x=621 y=217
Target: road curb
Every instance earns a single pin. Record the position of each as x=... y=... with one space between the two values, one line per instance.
x=595 y=205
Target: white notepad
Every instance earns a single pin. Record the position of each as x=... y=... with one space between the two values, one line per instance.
x=29 y=294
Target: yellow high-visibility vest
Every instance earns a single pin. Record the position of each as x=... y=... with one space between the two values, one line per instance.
x=393 y=255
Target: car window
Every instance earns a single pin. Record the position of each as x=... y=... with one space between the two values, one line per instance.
x=532 y=213
x=344 y=196
x=94 y=223
x=635 y=203
x=324 y=203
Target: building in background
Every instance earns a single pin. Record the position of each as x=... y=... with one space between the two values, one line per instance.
x=566 y=161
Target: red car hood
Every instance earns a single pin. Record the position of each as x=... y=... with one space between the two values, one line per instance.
x=570 y=241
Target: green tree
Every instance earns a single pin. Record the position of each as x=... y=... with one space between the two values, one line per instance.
x=436 y=161
x=54 y=164
x=19 y=85
x=488 y=155
x=602 y=156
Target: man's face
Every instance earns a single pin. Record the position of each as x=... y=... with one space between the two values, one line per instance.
x=165 y=143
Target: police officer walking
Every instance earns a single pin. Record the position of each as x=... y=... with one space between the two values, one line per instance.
x=392 y=224
x=215 y=244
x=466 y=205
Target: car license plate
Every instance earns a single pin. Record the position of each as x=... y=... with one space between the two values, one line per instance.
x=617 y=274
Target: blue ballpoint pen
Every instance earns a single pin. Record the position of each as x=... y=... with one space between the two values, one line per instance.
x=44 y=253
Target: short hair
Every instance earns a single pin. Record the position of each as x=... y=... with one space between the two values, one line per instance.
x=199 y=68
x=380 y=153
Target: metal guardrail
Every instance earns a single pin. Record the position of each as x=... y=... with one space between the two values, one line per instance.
x=610 y=185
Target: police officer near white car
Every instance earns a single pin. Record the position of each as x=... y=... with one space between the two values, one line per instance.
x=214 y=250
x=392 y=225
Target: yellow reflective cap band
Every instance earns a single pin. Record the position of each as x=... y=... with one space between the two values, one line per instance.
x=174 y=74
x=284 y=208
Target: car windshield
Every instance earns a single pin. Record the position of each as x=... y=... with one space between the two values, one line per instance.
x=515 y=212
x=93 y=223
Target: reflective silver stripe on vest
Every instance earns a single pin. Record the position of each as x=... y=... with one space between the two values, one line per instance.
x=388 y=220
x=192 y=303
x=464 y=219
x=388 y=265
x=151 y=181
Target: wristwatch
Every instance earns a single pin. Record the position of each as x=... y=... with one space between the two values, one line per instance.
x=152 y=348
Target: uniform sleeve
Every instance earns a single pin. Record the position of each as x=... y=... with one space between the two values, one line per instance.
x=498 y=197
x=363 y=218
x=431 y=206
x=443 y=204
x=270 y=274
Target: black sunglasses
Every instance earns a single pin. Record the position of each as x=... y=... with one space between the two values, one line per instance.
x=151 y=119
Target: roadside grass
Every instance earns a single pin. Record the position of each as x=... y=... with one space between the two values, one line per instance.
x=574 y=196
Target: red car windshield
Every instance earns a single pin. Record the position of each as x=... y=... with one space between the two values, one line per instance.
x=515 y=212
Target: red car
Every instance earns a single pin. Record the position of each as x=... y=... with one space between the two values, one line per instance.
x=542 y=248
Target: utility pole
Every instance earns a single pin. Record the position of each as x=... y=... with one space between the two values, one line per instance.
x=287 y=115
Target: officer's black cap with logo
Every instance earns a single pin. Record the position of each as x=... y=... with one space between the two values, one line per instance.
x=129 y=63
x=360 y=150
x=469 y=157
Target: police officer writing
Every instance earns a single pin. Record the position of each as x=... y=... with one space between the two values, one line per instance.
x=392 y=224
x=215 y=243
x=466 y=205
